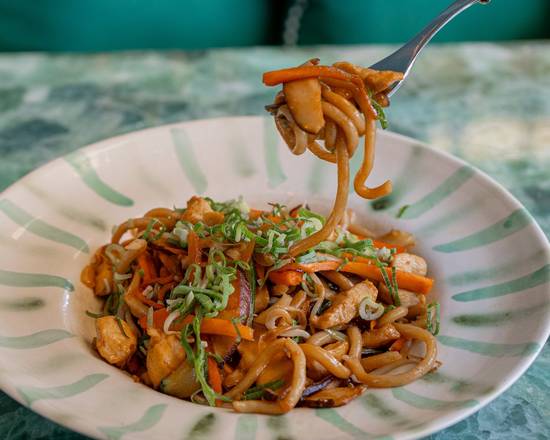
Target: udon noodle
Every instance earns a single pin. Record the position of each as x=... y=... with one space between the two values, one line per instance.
x=337 y=105
x=266 y=310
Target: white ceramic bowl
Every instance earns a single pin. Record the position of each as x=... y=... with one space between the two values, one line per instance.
x=489 y=258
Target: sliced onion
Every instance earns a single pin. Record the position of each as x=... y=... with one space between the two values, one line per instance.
x=148 y=292
x=130 y=321
x=107 y=286
x=122 y=276
x=296 y=332
x=150 y=320
x=109 y=252
x=370 y=310
x=317 y=306
x=274 y=314
x=337 y=334
x=169 y=319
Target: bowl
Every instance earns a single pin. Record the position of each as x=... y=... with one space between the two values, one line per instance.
x=489 y=258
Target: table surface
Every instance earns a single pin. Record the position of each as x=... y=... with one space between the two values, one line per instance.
x=488 y=104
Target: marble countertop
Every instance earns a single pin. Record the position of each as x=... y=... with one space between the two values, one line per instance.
x=488 y=104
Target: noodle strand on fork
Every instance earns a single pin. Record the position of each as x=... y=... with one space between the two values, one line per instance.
x=338 y=209
x=340 y=103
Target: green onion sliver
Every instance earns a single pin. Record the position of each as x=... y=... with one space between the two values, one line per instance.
x=433 y=318
x=370 y=310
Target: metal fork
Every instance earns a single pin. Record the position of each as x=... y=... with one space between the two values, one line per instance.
x=403 y=58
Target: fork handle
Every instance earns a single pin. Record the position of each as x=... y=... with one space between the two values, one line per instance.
x=403 y=58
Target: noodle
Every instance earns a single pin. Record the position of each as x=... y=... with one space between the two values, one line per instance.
x=419 y=370
x=296 y=386
x=339 y=279
x=338 y=209
x=326 y=359
x=380 y=360
x=392 y=316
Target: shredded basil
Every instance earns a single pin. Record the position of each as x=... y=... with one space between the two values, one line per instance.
x=433 y=318
x=257 y=392
x=381 y=115
x=121 y=327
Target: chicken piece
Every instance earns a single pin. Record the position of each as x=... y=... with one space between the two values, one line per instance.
x=406 y=298
x=376 y=80
x=379 y=337
x=199 y=210
x=165 y=354
x=345 y=305
x=116 y=342
x=410 y=263
x=399 y=238
x=103 y=278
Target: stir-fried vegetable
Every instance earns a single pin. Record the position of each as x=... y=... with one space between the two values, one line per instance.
x=192 y=278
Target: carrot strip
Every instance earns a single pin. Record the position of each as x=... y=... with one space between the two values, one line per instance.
x=164 y=290
x=253 y=214
x=276 y=77
x=142 y=298
x=211 y=326
x=159 y=316
x=234 y=300
x=248 y=251
x=193 y=248
x=274 y=218
x=161 y=280
x=214 y=377
x=405 y=280
x=146 y=264
x=133 y=289
x=286 y=277
x=223 y=327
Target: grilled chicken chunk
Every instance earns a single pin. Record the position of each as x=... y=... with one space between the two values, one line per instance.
x=165 y=354
x=116 y=343
x=345 y=305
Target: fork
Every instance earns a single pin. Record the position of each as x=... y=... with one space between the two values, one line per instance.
x=403 y=58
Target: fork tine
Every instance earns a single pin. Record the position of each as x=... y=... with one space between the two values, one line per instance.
x=403 y=58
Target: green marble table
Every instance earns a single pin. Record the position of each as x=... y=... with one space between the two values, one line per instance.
x=489 y=104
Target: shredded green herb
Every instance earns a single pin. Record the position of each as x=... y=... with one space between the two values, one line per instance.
x=258 y=391
x=235 y=321
x=198 y=358
x=121 y=327
x=146 y=234
x=381 y=115
x=390 y=284
x=433 y=318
